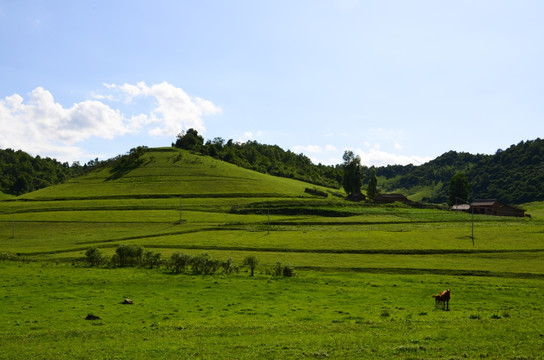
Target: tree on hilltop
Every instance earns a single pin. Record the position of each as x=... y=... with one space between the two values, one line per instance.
x=189 y=140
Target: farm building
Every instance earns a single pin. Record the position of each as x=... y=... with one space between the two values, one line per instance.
x=486 y=206
x=510 y=210
x=490 y=207
x=461 y=207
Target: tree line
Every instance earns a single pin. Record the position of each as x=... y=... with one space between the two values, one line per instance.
x=514 y=175
x=21 y=173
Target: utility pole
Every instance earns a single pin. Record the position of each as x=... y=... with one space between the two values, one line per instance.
x=472 y=210
x=268 y=221
x=13 y=227
x=180 y=209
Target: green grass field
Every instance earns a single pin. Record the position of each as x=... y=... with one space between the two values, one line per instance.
x=365 y=274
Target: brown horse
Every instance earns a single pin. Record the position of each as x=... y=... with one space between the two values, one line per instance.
x=443 y=298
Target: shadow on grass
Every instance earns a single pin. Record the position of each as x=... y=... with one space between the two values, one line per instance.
x=123 y=168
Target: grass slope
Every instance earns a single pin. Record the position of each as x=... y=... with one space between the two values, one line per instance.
x=174 y=172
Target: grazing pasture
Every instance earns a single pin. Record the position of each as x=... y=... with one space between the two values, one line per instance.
x=364 y=279
x=314 y=315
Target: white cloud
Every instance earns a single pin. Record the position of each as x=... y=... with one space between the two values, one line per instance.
x=377 y=157
x=42 y=126
x=330 y=148
x=312 y=149
x=249 y=135
x=174 y=109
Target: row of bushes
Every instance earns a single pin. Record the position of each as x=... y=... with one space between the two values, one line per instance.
x=202 y=264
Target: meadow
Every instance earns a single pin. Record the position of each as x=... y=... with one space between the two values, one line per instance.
x=364 y=273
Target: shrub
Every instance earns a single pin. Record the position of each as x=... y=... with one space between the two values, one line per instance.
x=179 y=262
x=252 y=262
x=277 y=269
x=227 y=266
x=282 y=270
x=151 y=259
x=204 y=265
x=127 y=255
x=94 y=257
x=288 y=271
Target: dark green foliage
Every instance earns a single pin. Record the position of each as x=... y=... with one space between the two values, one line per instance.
x=203 y=264
x=459 y=189
x=127 y=255
x=94 y=257
x=151 y=259
x=288 y=270
x=189 y=140
x=372 y=184
x=179 y=262
x=251 y=261
x=21 y=173
x=282 y=270
x=277 y=269
x=353 y=173
x=227 y=266
x=514 y=175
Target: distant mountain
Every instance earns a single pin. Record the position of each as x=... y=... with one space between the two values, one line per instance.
x=514 y=175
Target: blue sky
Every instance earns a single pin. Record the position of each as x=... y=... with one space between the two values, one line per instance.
x=397 y=82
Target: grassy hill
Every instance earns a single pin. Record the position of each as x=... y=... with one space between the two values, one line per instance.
x=171 y=172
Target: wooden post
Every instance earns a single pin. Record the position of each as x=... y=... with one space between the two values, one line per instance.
x=13 y=227
x=269 y=221
x=180 y=209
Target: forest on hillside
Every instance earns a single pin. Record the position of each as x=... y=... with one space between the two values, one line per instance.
x=267 y=159
x=514 y=175
x=21 y=173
